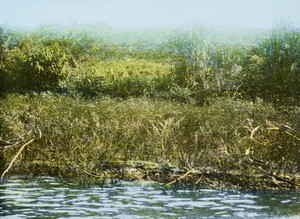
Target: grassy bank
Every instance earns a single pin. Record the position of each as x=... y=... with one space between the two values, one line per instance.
x=187 y=112
x=82 y=138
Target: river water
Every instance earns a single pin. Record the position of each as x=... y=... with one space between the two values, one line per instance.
x=46 y=197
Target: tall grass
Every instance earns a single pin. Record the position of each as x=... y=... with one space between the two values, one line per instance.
x=273 y=67
x=72 y=132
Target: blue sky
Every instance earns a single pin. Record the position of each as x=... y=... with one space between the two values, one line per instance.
x=150 y=13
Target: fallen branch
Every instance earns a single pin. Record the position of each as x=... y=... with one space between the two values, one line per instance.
x=5 y=143
x=277 y=177
x=85 y=172
x=13 y=160
x=179 y=178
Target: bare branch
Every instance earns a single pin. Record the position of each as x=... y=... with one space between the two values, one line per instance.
x=16 y=156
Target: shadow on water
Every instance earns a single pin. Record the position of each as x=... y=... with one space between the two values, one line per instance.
x=280 y=203
x=2 y=162
x=4 y=208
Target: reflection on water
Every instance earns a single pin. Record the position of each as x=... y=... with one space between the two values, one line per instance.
x=48 y=197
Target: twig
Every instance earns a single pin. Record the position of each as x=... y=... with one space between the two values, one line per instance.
x=13 y=160
x=5 y=143
x=290 y=134
x=86 y=172
x=236 y=90
x=283 y=179
x=90 y=174
x=253 y=132
x=179 y=178
x=198 y=181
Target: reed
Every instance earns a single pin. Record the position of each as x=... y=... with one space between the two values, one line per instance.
x=95 y=136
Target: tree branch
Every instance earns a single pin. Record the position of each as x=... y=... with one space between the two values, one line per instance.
x=16 y=156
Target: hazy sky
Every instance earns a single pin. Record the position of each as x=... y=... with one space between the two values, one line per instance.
x=145 y=13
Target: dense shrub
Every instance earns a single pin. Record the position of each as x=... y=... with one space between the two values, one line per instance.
x=34 y=66
x=123 y=78
x=187 y=67
x=268 y=70
x=3 y=47
x=272 y=68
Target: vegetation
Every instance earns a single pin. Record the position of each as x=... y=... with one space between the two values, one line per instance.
x=189 y=110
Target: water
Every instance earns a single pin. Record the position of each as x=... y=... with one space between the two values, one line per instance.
x=51 y=198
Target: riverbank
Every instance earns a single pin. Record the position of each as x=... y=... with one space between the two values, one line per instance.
x=227 y=144
x=183 y=110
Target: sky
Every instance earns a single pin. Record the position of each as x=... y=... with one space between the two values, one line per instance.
x=150 y=13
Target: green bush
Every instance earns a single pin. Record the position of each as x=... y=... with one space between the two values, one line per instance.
x=272 y=68
x=34 y=66
x=3 y=47
x=187 y=68
x=121 y=78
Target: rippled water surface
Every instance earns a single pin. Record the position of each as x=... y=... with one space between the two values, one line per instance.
x=49 y=197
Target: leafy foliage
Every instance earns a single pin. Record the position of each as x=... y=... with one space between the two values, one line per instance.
x=273 y=68
x=186 y=68
x=34 y=66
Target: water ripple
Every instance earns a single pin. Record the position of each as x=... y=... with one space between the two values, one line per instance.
x=48 y=197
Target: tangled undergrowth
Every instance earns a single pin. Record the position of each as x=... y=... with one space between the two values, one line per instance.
x=77 y=137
